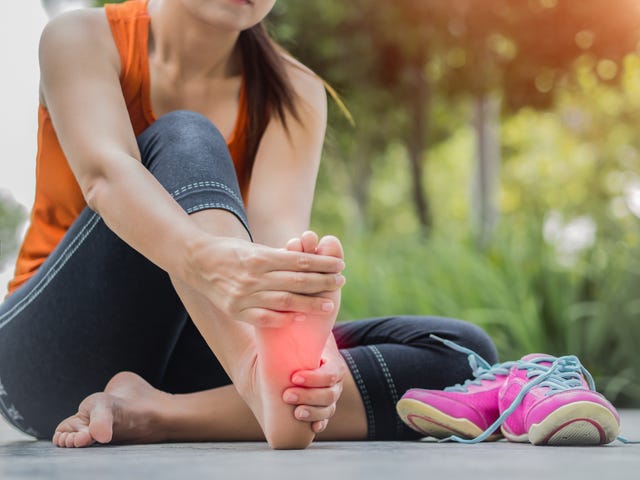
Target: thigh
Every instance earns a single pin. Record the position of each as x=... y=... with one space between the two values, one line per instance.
x=94 y=308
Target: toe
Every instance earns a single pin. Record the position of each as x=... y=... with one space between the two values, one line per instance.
x=62 y=438
x=69 y=439
x=101 y=423
x=309 y=241
x=294 y=245
x=82 y=439
x=330 y=245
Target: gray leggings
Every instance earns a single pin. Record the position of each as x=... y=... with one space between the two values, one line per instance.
x=97 y=307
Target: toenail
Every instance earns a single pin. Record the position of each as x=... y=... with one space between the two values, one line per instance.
x=327 y=306
x=303 y=413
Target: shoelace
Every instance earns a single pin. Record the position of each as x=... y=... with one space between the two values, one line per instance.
x=481 y=369
x=563 y=373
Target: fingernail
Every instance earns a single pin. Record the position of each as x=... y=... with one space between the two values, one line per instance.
x=340 y=280
x=342 y=265
x=290 y=397
x=300 y=318
x=303 y=413
x=327 y=306
x=298 y=379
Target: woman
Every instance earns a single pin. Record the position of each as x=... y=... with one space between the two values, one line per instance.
x=165 y=256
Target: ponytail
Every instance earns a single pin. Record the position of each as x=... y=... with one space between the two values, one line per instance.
x=269 y=90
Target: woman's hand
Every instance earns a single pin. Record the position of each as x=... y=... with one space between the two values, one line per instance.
x=263 y=286
x=317 y=391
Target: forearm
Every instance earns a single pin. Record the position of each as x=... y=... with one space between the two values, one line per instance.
x=137 y=208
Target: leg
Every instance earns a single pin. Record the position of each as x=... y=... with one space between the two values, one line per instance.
x=234 y=343
x=387 y=356
x=86 y=314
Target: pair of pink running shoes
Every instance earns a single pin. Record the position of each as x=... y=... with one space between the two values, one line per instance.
x=539 y=399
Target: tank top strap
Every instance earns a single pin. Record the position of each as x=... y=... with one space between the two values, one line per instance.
x=129 y=23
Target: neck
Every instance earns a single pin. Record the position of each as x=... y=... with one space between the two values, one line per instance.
x=194 y=48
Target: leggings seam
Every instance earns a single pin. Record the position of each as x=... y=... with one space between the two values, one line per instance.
x=204 y=184
x=371 y=430
x=390 y=383
x=52 y=273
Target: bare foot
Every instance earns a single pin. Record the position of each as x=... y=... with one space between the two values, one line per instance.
x=282 y=351
x=126 y=412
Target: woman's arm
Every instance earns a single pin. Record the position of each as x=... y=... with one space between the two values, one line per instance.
x=80 y=87
x=286 y=166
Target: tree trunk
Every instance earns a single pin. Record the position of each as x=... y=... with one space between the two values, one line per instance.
x=484 y=211
x=416 y=146
x=359 y=168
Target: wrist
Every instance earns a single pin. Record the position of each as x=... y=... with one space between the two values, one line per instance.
x=196 y=253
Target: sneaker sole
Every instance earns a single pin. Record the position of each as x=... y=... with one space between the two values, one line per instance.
x=432 y=422
x=579 y=423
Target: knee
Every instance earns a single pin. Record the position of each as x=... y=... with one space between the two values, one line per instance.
x=475 y=338
x=184 y=147
x=184 y=128
x=183 y=137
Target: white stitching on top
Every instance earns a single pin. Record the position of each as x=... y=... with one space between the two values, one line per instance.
x=390 y=382
x=204 y=184
x=365 y=394
x=50 y=275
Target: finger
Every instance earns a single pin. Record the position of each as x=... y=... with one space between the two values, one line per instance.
x=300 y=282
x=265 y=318
x=327 y=375
x=309 y=241
x=314 y=397
x=321 y=426
x=306 y=413
x=289 y=302
x=301 y=262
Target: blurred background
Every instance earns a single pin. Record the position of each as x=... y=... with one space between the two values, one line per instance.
x=491 y=171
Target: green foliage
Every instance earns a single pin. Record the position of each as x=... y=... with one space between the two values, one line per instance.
x=516 y=291
x=12 y=216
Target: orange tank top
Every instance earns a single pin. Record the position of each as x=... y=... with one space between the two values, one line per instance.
x=58 y=198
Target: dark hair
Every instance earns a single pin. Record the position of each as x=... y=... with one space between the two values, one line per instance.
x=269 y=90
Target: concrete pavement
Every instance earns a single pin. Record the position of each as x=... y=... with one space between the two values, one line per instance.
x=24 y=459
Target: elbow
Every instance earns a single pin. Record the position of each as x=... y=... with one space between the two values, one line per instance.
x=92 y=192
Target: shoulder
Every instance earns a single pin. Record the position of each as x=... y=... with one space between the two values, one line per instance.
x=309 y=89
x=78 y=28
x=80 y=37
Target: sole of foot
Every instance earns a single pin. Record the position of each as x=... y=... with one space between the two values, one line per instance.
x=298 y=346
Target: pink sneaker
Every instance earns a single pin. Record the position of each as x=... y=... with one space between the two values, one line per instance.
x=461 y=411
x=552 y=401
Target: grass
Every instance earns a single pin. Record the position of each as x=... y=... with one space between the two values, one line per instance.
x=517 y=291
